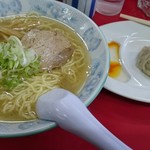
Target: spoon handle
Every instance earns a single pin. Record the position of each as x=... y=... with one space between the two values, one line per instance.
x=72 y=115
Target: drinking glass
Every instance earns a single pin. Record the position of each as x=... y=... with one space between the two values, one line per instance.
x=144 y=5
x=109 y=7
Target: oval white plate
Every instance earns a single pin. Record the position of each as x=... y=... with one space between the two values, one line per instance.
x=132 y=37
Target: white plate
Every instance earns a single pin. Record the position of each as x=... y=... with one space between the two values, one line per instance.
x=132 y=37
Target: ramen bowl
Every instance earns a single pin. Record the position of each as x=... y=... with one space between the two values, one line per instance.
x=91 y=35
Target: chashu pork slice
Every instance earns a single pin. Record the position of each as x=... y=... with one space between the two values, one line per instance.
x=52 y=46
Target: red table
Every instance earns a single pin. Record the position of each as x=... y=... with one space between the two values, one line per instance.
x=129 y=120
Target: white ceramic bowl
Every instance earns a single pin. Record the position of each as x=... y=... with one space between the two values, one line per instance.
x=92 y=36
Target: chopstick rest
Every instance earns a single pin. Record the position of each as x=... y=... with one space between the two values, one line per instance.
x=135 y=19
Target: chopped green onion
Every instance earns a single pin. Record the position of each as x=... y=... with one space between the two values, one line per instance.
x=16 y=63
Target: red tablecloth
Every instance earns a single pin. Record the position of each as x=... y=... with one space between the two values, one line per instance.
x=129 y=120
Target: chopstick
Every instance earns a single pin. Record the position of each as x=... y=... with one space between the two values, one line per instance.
x=135 y=19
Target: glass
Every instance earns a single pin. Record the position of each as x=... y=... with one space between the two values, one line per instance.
x=109 y=7
x=144 y=5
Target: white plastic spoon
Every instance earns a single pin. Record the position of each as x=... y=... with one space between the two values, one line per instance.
x=71 y=114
